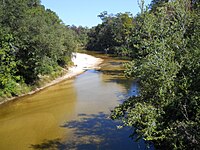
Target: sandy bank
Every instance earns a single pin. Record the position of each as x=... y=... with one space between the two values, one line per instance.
x=81 y=62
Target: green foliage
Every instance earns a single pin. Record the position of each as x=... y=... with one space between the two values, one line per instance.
x=113 y=35
x=40 y=42
x=157 y=3
x=167 y=65
x=8 y=63
x=81 y=35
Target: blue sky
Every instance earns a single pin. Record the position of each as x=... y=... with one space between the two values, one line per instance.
x=85 y=12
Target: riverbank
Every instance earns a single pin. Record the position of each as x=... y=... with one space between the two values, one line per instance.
x=81 y=63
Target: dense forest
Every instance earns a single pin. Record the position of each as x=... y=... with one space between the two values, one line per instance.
x=162 y=42
x=33 y=42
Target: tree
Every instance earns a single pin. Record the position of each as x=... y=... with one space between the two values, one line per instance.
x=8 y=63
x=167 y=110
x=43 y=43
x=157 y=3
x=81 y=34
x=113 y=34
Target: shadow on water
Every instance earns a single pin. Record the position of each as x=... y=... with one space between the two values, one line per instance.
x=114 y=77
x=50 y=144
x=116 y=63
x=113 y=72
x=130 y=85
x=95 y=131
x=117 y=76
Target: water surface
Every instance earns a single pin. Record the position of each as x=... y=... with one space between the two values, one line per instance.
x=73 y=114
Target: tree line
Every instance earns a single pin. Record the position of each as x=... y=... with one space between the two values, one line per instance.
x=163 y=42
x=33 y=42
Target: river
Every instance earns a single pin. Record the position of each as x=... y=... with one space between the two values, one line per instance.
x=73 y=114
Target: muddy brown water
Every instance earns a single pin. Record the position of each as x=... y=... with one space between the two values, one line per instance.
x=73 y=114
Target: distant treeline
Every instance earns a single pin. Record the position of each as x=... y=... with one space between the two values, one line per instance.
x=163 y=42
x=33 y=42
